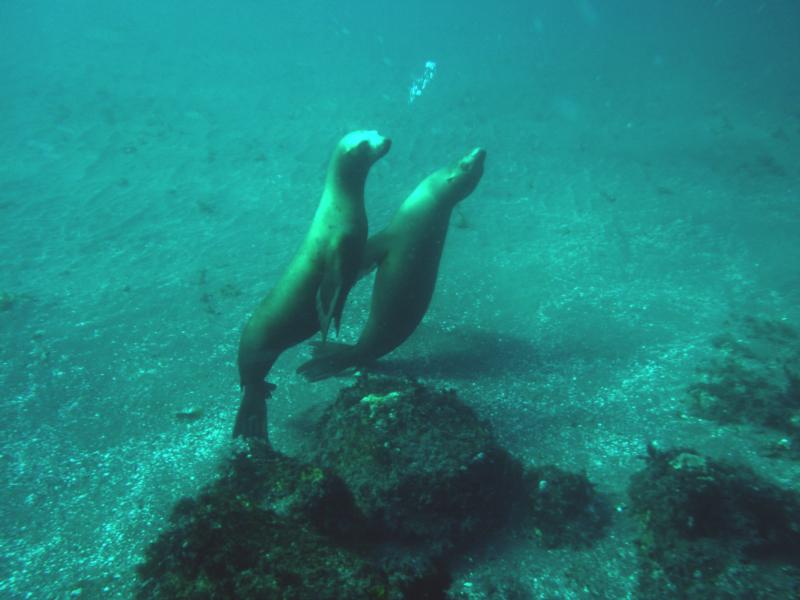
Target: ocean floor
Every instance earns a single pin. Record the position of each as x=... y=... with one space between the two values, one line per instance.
x=621 y=224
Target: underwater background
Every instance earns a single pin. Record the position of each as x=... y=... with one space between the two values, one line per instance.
x=636 y=227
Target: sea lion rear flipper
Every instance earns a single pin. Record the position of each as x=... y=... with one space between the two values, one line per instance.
x=251 y=420
x=320 y=348
x=374 y=253
x=329 y=359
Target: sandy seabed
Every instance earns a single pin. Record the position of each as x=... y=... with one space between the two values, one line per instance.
x=621 y=223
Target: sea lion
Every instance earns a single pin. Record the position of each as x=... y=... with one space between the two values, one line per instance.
x=312 y=291
x=407 y=255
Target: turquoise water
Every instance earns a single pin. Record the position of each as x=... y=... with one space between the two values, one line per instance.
x=159 y=165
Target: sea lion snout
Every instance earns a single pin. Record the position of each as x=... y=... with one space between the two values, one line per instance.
x=366 y=143
x=464 y=176
x=385 y=146
x=378 y=146
x=474 y=160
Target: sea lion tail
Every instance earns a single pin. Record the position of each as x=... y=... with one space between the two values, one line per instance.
x=251 y=420
x=329 y=359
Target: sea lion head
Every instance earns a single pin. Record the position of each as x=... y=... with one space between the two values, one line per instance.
x=363 y=147
x=459 y=180
x=355 y=153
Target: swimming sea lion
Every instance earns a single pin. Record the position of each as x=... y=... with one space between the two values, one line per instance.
x=312 y=291
x=407 y=255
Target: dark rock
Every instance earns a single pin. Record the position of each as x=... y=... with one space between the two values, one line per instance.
x=564 y=509
x=752 y=376
x=423 y=469
x=403 y=478
x=712 y=530
x=270 y=527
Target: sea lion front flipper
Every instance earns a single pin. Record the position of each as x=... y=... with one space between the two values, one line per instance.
x=374 y=253
x=325 y=307
x=332 y=292
x=339 y=276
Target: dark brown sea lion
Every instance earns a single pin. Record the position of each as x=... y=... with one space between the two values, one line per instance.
x=407 y=255
x=312 y=291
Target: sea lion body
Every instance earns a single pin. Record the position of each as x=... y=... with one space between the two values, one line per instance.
x=312 y=291
x=407 y=255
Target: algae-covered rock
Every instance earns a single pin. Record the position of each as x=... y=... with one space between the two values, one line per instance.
x=402 y=479
x=711 y=530
x=752 y=376
x=224 y=551
x=270 y=527
x=564 y=509
x=422 y=467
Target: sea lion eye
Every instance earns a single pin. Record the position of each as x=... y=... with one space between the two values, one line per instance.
x=357 y=149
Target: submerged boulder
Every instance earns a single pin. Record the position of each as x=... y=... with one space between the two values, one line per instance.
x=423 y=469
x=712 y=530
x=403 y=478
x=564 y=509
x=270 y=528
x=752 y=375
